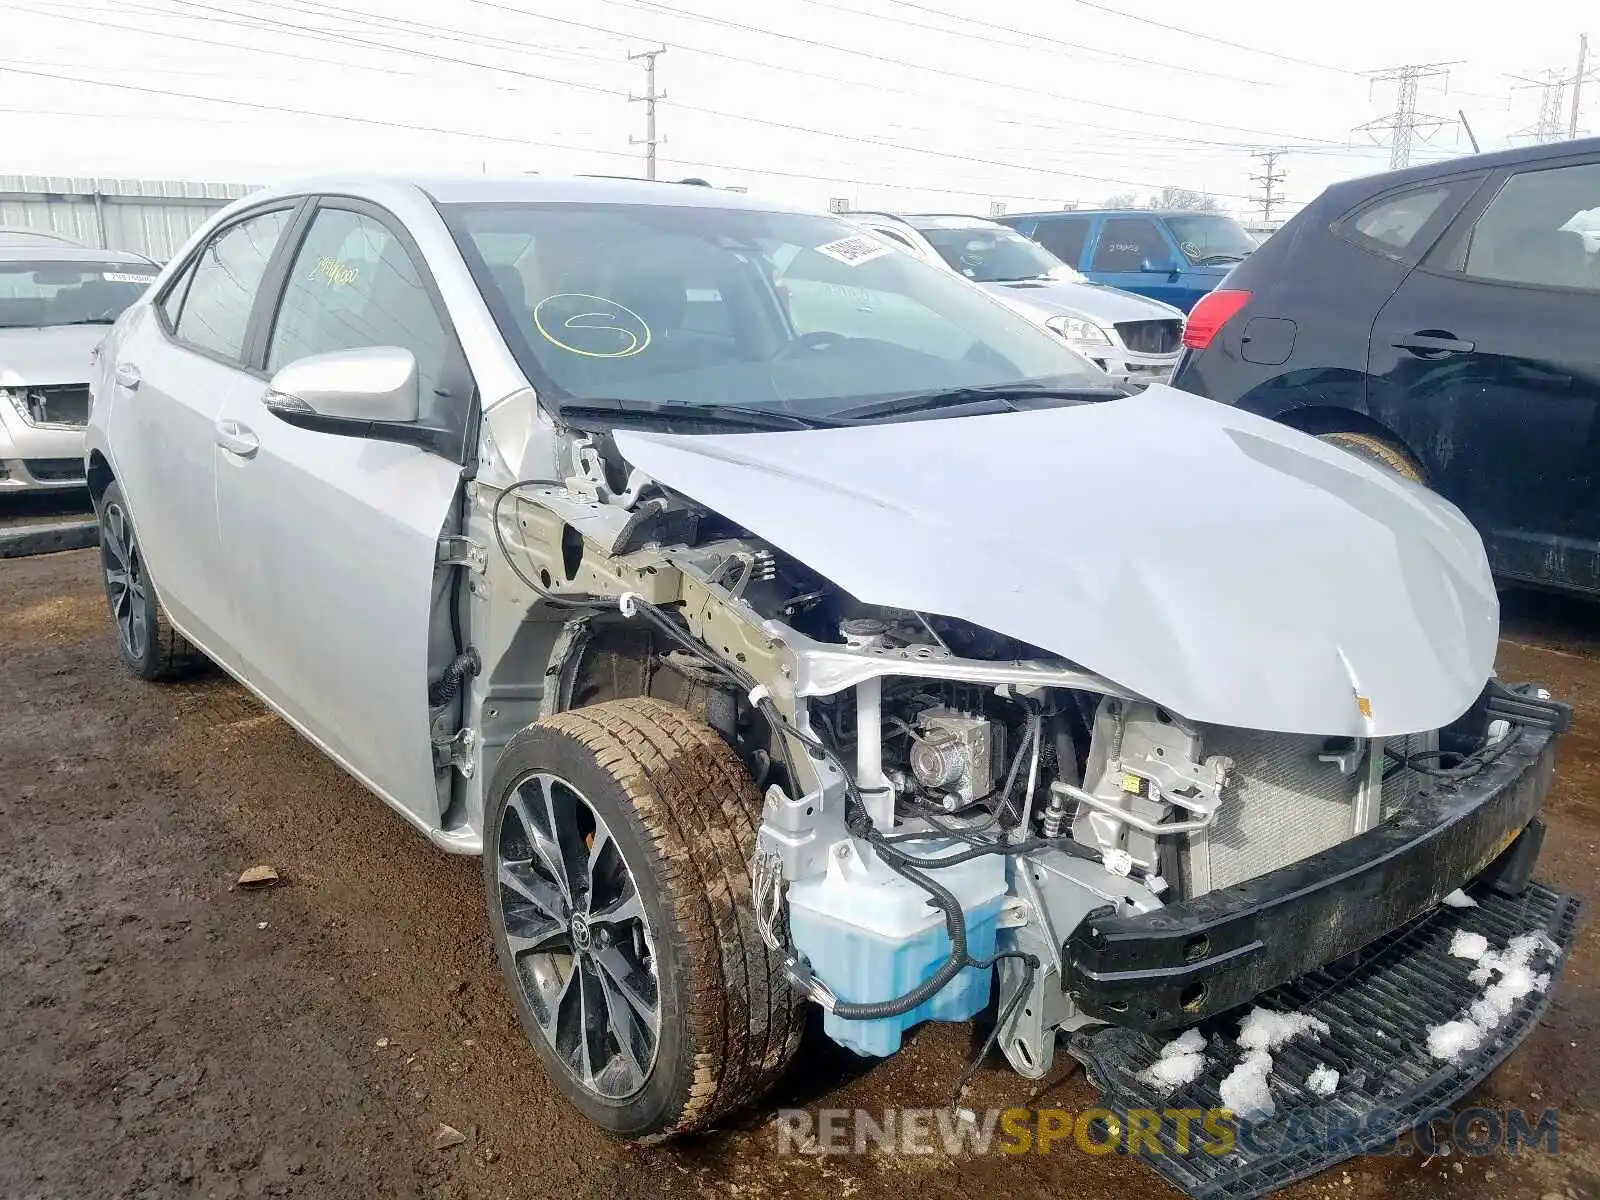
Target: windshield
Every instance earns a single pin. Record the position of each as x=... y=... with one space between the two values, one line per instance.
x=712 y=306
x=1211 y=238
x=987 y=255
x=39 y=293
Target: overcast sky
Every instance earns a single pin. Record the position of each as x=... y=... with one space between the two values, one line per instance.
x=885 y=102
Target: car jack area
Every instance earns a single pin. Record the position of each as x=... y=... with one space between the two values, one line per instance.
x=173 y=1033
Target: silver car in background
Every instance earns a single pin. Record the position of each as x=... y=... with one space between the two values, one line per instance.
x=57 y=300
x=1132 y=338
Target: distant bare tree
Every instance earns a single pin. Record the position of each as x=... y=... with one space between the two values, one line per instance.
x=1172 y=196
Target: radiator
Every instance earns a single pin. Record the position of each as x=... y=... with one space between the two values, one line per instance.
x=1279 y=805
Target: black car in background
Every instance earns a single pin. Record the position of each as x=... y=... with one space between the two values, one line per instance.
x=1446 y=321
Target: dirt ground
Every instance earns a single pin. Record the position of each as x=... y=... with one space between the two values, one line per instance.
x=164 y=1034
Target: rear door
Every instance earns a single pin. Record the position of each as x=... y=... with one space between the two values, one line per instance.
x=174 y=372
x=1487 y=356
x=331 y=541
x=1132 y=253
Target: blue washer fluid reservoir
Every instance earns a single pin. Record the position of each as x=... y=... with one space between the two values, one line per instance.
x=870 y=935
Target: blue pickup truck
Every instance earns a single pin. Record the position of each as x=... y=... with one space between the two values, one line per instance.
x=1172 y=255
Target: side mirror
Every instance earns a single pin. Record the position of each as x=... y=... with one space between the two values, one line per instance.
x=1158 y=266
x=375 y=384
x=367 y=393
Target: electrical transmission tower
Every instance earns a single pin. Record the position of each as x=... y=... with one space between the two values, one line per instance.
x=1405 y=122
x=1552 y=105
x=649 y=141
x=1269 y=179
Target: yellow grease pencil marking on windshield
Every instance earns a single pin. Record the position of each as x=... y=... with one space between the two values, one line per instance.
x=334 y=271
x=602 y=319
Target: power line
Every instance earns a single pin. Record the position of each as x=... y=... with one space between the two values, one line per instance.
x=1031 y=35
x=1404 y=122
x=650 y=140
x=253 y=22
x=1552 y=96
x=722 y=22
x=1195 y=33
x=923 y=95
x=1269 y=179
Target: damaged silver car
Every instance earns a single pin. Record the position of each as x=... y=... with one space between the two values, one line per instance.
x=787 y=622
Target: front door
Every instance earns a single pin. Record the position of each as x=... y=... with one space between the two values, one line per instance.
x=1486 y=358
x=331 y=541
x=1132 y=253
x=174 y=370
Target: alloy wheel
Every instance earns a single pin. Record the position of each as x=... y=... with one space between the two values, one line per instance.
x=127 y=586
x=578 y=936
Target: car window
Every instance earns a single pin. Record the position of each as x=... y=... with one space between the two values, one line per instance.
x=1211 y=239
x=1127 y=243
x=995 y=254
x=1538 y=229
x=1395 y=222
x=172 y=302
x=46 y=292
x=707 y=305
x=227 y=274
x=1064 y=237
x=353 y=285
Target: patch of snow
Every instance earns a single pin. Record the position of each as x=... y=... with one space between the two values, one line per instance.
x=1181 y=1061
x=1190 y=1041
x=1264 y=1029
x=1453 y=1039
x=1471 y=946
x=1245 y=1092
x=1323 y=1081
x=1459 y=899
x=1505 y=976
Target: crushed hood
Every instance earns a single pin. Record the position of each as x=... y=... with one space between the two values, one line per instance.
x=1219 y=564
x=54 y=354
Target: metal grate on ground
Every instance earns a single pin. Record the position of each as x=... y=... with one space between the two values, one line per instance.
x=1379 y=1011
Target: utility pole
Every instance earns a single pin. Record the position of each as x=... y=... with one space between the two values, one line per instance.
x=1269 y=179
x=649 y=141
x=1405 y=122
x=1577 y=83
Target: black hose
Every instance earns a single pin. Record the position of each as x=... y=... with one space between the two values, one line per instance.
x=464 y=666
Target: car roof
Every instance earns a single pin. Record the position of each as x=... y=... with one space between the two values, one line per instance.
x=1119 y=212
x=26 y=235
x=1518 y=156
x=532 y=188
x=67 y=252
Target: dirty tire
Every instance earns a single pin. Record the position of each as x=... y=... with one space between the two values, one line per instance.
x=683 y=812
x=1377 y=450
x=155 y=651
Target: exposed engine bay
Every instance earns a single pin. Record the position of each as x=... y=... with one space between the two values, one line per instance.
x=946 y=806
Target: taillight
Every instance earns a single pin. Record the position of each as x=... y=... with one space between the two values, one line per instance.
x=1214 y=311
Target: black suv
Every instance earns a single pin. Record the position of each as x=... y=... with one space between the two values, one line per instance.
x=1446 y=321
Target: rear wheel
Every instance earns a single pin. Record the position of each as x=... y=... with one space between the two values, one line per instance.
x=1378 y=450
x=617 y=865
x=146 y=640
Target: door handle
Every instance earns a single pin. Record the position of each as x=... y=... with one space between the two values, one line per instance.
x=237 y=439
x=127 y=376
x=1433 y=343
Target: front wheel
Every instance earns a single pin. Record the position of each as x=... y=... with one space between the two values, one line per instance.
x=1376 y=450
x=616 y=858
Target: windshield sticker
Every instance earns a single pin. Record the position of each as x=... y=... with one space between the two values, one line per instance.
x=125 y=277
x=853 y=251
x=590 y=325
x=333 y=271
